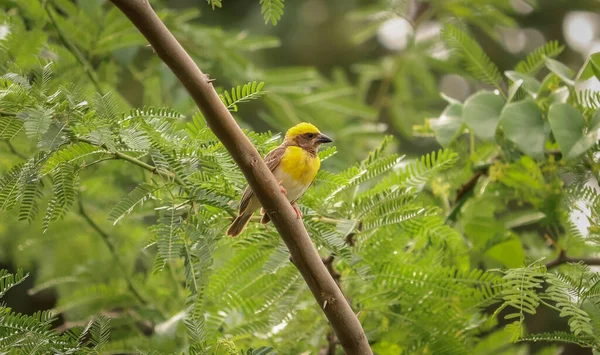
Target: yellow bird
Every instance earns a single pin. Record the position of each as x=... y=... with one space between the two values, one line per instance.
x=294 y=163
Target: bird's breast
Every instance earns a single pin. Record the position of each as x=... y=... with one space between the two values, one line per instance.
x=300 y=164
x=296 y=171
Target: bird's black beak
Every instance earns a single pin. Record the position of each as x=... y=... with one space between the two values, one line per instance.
x=324 y=139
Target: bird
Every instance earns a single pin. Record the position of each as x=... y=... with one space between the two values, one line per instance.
x=294 y=164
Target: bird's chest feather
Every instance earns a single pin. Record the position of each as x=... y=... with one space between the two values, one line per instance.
x=297 y=171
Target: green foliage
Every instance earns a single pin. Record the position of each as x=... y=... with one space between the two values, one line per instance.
x=239 y=94
x=8 y=280
x=534 y=62
x=478 y=63
x=433 y=249
x=272 y=10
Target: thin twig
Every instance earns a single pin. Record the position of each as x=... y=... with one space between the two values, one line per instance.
x=150 y=168
x=87 y=68
x=7 y=114
x=562 y=258
x=113 y=250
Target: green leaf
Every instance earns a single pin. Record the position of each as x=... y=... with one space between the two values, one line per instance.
x=136 y=197
x=561 y=70
x=482 y=114
x=247 y=92
x=530 y=84
x=215 y=3
x=509 y=253
x=523 y=125
x=271 y=10
x=536 y=59
x=478 y=63
x=10 y=126
x=448 y=126
x=590 y=68
x=37 y=121
x=569 y=129
x=8 y=280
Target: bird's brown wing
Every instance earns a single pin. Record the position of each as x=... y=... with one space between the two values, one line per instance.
x=272 y=159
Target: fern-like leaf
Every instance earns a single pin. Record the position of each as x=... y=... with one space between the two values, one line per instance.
x=8 y=280
x=561 y=292
x=65 y=190
x=169 y=236
x=73 y=153
x=32 y=192
x=10 y=126
x=421 y=170
x=532 y=64
x=10 y=186
x=215 y=3
x=559 y=336
x=136 y=197
x=478 y=63
x=36 y=121
x=238 y=94
x=272 y=10
x=100 y=332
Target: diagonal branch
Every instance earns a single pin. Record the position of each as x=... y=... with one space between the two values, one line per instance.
x=327 y=293
x=562 y=258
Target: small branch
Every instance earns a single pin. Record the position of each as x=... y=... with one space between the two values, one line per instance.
x=7 y=114
x=332 y=344
x=87 y=68
x=328 y=262
x=469 y=185
x=150 y=168
x=113 y=250
x=562 y=258
x=260 y=179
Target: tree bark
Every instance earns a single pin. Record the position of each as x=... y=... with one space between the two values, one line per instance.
x=348 y=329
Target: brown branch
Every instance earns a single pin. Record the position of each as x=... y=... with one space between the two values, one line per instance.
x=469 y=185
x=328 y=295
x=332 y=344
x=562 y=258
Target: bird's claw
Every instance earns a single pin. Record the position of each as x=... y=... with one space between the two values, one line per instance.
x=297 y=210
x=282 y=188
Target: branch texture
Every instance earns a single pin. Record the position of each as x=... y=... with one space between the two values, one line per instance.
x=327 y=293
x=562 y=258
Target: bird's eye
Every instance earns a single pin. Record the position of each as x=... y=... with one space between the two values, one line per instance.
x=310 y=135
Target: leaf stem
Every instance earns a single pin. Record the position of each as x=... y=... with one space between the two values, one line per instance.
x=113 y=250
x=87 y=68
x=167 y=175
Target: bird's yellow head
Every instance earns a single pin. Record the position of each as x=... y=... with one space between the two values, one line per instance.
x=306 y=136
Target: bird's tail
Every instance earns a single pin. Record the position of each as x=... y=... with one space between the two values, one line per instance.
x=239 y=224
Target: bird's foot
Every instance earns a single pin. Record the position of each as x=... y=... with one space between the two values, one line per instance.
x=297 y=210
x=282 y=188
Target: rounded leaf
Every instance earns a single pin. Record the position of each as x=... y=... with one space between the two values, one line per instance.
x=448 y=125
x=568 y=127
x=590 y=68
x=562 y=71
x=530 y=84
x=523 y=125
x=482 y=114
